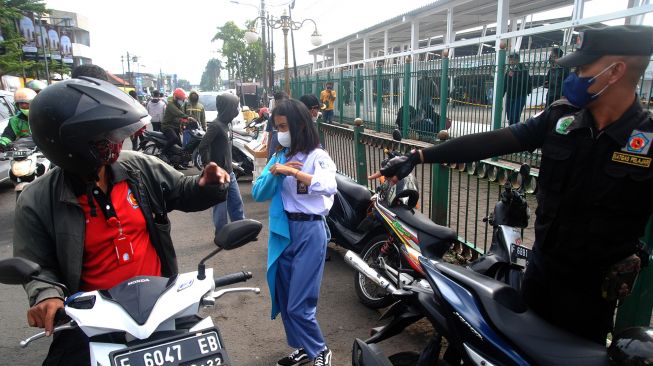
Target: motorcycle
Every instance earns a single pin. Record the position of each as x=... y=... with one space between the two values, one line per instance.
x=154 y=142
x=149 y=320
x=242 y=136
x=397 y=257
x=27 y=163
x=484 y=322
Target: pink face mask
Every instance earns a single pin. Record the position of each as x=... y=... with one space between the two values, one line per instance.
x=108 y=151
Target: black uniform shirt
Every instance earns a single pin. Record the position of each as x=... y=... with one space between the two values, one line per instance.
x=595 y=188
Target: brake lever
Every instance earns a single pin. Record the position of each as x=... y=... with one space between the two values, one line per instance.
x=67 y=326
x=222 y=292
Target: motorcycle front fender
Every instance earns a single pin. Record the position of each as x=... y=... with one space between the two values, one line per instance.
x=403 y=314
x=364 y=354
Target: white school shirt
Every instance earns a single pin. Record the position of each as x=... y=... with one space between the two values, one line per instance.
x=318 y=196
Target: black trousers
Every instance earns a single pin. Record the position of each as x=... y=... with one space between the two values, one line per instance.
x=156 y=126
x=569 y=298
x=173 y=138
x=70 y=348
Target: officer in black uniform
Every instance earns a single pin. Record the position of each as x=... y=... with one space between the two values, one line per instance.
x=595 y=187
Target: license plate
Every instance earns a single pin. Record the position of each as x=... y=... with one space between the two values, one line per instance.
x=21 y=153
x=519 y=254
x=203 y=349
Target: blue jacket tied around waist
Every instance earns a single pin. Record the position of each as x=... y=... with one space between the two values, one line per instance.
x=268 y=186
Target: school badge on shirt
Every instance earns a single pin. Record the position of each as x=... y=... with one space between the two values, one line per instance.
x=562 y=126
x=639 y=142
x=132 y=199
x=302 y=188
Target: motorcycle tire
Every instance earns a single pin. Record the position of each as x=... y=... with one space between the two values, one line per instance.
x=369 y=293
x=197 y=160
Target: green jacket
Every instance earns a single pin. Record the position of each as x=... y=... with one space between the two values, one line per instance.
x=49 y=226
x=196 y=111
x=171 y=116
x=18 y=127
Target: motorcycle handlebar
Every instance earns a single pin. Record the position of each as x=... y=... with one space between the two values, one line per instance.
x=232 y=278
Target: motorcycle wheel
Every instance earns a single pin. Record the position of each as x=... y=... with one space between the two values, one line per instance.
x=369 y=293
x=197 y=160
x=404 y=359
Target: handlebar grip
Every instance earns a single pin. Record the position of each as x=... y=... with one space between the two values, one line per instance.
x=60 y=317
x=230 y=279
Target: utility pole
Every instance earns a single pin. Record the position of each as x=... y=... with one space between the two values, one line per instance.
x=265 y=56
x=129 y=72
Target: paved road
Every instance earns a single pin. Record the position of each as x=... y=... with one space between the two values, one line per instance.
x=251 y=338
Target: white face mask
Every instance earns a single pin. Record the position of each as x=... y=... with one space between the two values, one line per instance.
x=284 y=138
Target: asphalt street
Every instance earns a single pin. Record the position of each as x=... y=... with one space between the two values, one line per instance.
x=250 y=336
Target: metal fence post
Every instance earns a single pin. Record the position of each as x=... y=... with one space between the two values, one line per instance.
x=340 y=99
x=359 y=148
x=499 y=87
x=444 y=90
x=405 y=117
x=379 y=97
x=320 y=132
x=358 y=86
x=439 y=173
x=636 y=308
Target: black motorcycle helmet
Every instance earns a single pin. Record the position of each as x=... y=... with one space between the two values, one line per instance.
x=68 y=118
x=632 y=347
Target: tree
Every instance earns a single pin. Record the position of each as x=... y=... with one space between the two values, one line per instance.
x=211 y=76
x=11 y=11
x=243 y=60
x=184 y=84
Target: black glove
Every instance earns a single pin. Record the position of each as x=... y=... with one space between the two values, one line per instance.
x=401 y=166
x=3 y=148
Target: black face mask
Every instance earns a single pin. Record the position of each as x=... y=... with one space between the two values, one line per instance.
x=194 y=100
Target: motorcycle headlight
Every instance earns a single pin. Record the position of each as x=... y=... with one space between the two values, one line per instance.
x=21 y=168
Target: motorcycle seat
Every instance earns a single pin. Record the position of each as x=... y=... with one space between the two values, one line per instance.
x=355 y=193
x=434 y=239
x=542 y=342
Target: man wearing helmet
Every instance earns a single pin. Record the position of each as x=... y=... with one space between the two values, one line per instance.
x=36 y=85
x=172 y=119
x=18 y=125
x=100 y=217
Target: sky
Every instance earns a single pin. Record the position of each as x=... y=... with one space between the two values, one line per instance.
x=175 y=36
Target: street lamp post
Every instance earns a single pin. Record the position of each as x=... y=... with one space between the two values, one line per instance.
x=285 y=23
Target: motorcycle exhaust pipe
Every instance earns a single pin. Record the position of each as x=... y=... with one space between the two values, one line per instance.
x=355 y=261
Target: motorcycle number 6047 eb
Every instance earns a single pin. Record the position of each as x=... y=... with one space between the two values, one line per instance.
x=199 y=350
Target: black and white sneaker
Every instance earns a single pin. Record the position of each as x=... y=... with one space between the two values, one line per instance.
x=323 y=358
x=298 y=357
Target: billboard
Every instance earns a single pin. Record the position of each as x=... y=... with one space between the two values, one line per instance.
x=44 y=39
x=26 y=29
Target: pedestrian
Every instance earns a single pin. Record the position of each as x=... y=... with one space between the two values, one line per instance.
x=156 y=108
x=313 y=104
x=328 y=97
x=270 y=128
x=517 y=83
x=594 y=187
x=555 y=76
x=300 y=182
x=137 y=136
x=194 y=109
x=71 y=220
x=174 y=119
x=216 y=147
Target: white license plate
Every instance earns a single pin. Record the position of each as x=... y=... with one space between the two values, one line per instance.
x=199 y=350
x=519 y=254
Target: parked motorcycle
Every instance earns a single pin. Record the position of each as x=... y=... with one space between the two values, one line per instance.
x=154 y=142
x=484 y=322
x=149 y=320
x=27 y=163
x=241 y=135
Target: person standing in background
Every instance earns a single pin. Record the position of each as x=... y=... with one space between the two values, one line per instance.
x=216 y=147
x=195 y=110
x=517 y=82
x=555 y=77
x=156 y=108
x=328 y=97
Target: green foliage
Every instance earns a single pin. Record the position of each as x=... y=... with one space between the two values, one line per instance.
x=10 y=11
x=243 y=60
x=184 y=84
x=211 y=76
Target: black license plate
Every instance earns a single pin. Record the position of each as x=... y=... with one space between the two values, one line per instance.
x=519 y=254
x=199 y=349
x=21 y=153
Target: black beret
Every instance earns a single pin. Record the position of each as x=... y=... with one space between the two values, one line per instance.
x=627 y=40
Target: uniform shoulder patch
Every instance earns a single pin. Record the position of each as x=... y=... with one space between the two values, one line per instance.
x=562 y=126
x=639 y=142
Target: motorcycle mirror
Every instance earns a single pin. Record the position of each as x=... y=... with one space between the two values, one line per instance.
x=525 y=170
x=396 y=135
x=238 y=233
x=18 y=271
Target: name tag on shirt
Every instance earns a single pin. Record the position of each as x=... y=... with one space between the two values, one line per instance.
x=302 y=188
